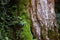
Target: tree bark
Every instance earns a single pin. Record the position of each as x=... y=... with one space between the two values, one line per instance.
x=43 y=20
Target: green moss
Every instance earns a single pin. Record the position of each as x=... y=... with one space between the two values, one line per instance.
x=25 y=34
x=51 y=34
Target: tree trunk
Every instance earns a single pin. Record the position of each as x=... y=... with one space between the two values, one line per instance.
x=43 y=20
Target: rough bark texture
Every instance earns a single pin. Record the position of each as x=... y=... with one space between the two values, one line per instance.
x=43 y=20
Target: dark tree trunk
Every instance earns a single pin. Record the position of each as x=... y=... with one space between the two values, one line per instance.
x=43 y=20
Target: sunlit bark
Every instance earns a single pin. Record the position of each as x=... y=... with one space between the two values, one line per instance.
x=43 y=20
